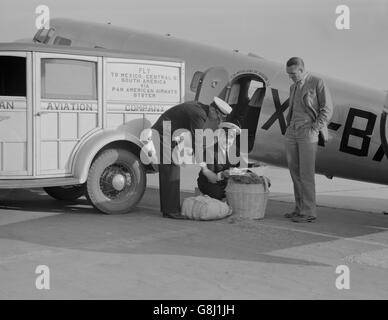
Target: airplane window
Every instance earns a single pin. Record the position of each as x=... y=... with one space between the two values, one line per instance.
x=234 y=93
x=50 y=33
x=253 y=86
x=257 y=98
x=13 y=76
x=195 y=81
x=62 y=41
x=68 y=79
x=37 y=37
x=43 y=35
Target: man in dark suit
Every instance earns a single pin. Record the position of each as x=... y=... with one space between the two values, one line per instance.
x=188 y=116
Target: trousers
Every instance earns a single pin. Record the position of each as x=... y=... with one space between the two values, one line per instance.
x=169 y=188
x=301 y=148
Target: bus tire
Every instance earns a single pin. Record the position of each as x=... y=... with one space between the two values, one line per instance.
x=66 y=193
x=116 y=181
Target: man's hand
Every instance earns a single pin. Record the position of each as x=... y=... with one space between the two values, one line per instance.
x=223 y=175
x=226 y=174
x=202 y=165
x=313 y=129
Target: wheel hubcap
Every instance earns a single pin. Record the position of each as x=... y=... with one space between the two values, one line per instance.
x=116 y=181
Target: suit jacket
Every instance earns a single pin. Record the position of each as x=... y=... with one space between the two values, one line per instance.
x=317 y=101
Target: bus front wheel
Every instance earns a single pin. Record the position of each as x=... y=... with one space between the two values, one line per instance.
x=116 y=181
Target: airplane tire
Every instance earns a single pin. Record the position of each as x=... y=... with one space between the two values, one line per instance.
x=66 y=193
x=116 y=181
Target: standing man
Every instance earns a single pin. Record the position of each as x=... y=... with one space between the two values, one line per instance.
x=311 y=109
x=189 y=116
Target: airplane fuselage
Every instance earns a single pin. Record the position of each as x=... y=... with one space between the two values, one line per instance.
x=354 y=149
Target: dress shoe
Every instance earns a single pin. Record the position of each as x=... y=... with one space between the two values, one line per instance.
x=290 y=215
x=173 y=215
x=303 y=218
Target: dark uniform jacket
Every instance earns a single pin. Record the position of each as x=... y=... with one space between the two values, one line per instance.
x=189 y=115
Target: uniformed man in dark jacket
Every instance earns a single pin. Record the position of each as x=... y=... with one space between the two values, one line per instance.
x=189 y=116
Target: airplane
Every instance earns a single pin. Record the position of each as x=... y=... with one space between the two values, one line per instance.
x=357 y=147
x=67 y=143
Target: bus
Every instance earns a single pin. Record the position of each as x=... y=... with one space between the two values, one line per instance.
x=71 y=119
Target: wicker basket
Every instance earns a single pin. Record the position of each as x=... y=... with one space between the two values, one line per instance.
x=247 y=200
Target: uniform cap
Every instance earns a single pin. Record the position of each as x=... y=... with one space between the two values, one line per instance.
x=222 y=105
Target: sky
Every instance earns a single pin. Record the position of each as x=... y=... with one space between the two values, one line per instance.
x=273 y=29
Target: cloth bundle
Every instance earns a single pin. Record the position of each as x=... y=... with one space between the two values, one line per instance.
x=205 y=208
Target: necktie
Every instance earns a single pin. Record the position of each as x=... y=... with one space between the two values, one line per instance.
x=293 y=98
x=293 y=95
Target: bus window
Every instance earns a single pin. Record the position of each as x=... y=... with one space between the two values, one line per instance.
x=12 y=76
x=68 y=79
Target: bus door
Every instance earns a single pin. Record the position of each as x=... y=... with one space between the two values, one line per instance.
x=15 y=114
x=68 y=107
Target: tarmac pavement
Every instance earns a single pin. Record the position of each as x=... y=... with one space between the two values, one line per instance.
x=141 y=255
